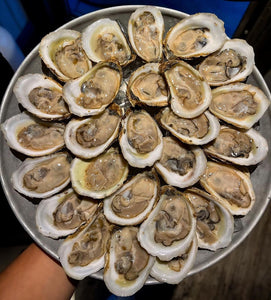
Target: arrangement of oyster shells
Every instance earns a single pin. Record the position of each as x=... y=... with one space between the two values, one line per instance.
x=142 y=123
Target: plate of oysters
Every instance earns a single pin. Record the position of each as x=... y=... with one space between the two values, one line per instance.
x=137 y=145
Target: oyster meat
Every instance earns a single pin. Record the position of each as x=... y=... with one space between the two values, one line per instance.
x=127 y=264
x=64 y=213
x=133 y=202
x=190 y=93
x=42 y=177
x=101 y=176
x=196 y=35
x=33 y=137
x=180 y=165
x=230 y=187
x=170 y=227
x=145 y=30
x=90 y=137
x=82 y=253
x=62 y=53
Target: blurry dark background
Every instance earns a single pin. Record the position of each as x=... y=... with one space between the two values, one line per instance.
x=22 y=25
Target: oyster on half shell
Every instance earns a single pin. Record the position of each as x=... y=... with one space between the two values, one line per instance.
x=127 y=264
x=170 y=227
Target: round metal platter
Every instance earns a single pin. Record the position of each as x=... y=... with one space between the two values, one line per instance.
x=25 y=209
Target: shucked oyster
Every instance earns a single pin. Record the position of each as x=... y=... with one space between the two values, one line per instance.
x=180 y=165
x=90 y=137
x=42 y=177
x=32 y=137
x=231 y=187
x=232 y=63
x=94 y=91
x=175 y=270
x=64 y=213
x=103 y=40
x=214 y=222
x=145 y=30
x=170 y=227
x=82 y=253
x=62 y=53
x=133 y=202
x=190 y=93
x=196 y=131
x=146 y=86
x=239 y=147
x=239 y=104
x=127 y=264
x=100 y=176
x=140 y=139
x=194 y=36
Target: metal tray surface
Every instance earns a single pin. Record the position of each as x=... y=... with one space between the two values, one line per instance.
x=25 y=209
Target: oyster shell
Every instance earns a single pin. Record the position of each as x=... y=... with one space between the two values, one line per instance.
x=100 y=176
x=215 y=223
x=31 y=136
x=133 y=202
x=196 y=131
x=145 y=30
x=180 y=165
x=104 y=40
x=41 y=96
x=82 y=253
x=170 y=227
x=175 y=270
x=90 y=137
x=190 y=93
x=64 y=213
x=239 y=104
x=233 y=62
x=62 y=53
x=196 y=35
x=140 y=139
x=94 y=91
x=42 y=177
x=146 y=86
x=238 y=147
x=230 y=187
x=127 y=263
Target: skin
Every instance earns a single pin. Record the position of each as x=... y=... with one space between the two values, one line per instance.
x=35 y=275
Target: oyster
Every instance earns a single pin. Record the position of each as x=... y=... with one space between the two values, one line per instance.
x=140 y=139
x=230 y=187
x=145 y=30
x=94 y=91
x=101 y=176
x=32 y=137
x=146 y=86
x=133 y=202
x=190 y=93
x=64 y=213
x=170 y=227
x=175 y=270
x=233 y=62
x=196 y=131
x=239 y=104
x=41 y=96
x=103 y=40
x=180 y=165
x=127 y=264
x=90 y=137
x=62 y=53
x=196 y=35
x=42 y=177
x=215 y=223
x=82 y=253
x=238 y=147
